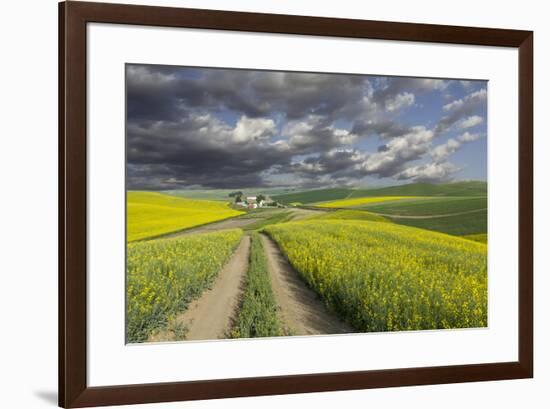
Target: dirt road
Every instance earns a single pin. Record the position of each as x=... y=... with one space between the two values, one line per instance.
x=300 y=309
x=234 y=223
x=210 y=316
x=301 y=214
x=240 y=222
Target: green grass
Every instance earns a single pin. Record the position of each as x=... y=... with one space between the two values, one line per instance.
x=312 y=196
x=472 y=188
x=464 y=224
x=164 y=276
x=351 y=215
x=386 y=277
x=276 y=217
x=258 y=313
x=359 y=202
x=480 y=238
x=429 y=206
x=152 y=214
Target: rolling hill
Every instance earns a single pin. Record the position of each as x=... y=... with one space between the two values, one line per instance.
x=312 y=196
x=470 y=188
x=152 y=214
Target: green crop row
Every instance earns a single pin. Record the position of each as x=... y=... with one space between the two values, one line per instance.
x=258 y=313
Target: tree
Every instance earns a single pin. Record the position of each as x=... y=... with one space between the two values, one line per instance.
x=238 y=199
x=236 y=193
x=259 y=198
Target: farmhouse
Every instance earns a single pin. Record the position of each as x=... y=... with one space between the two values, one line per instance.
x=253 y=203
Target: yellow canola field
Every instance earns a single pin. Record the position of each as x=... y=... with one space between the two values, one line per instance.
x=387 y=277
x=151 y=214
x=360 y=201
x=164 y=276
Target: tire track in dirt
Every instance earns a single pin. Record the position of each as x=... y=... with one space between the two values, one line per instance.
x=211 y=315
x=300 y=309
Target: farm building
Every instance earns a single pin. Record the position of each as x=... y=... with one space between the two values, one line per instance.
x=253 y=202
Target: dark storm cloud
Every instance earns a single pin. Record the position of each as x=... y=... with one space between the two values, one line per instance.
x=173 y=121
x=162 y=91
x=224 y=128
x=200 y=150
x=301 y=94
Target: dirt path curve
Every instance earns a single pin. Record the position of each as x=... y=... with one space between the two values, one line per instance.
x=216 y=226
x=301 y=214
x=210 y=316
x=300 y=309
x=431 y=216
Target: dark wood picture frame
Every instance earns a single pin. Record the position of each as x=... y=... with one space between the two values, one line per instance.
x=73 y=388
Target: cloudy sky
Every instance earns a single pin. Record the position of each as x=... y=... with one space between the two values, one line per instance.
x=225 y=128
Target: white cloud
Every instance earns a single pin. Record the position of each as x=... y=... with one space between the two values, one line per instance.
x=462 y=108
x=403 y=100
x=253 y=129
x=474 y=97
x=429 y=172
x=469 y=137
x=443 y=151
x=399 y=150
x=470 y=122
x=432 y=84
x=314 y=133
x=307 y=167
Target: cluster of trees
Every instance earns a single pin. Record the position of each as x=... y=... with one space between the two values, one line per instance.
x=238 y=195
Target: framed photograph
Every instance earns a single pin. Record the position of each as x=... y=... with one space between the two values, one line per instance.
x=255 y=204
